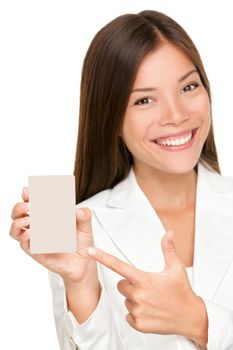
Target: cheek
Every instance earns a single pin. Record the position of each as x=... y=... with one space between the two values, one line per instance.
x=133 y=129
x=206 y=114
x=203 y=104
x=200 y=109
x=203 y=111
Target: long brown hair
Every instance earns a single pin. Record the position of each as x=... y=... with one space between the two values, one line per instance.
x=109 y=69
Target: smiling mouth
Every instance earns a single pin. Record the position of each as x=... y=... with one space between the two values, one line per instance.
x=176 y=141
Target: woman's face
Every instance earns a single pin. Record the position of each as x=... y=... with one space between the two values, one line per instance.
x=168 y=115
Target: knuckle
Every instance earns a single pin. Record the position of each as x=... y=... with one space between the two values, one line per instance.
x=135 y=322
x=24 y=206
x=143 y=278
x=120 y=284
x=82 y=252
x=17 y=210
x=138 y=296
x=84 y=228
x=134 y=295
x=13 y=234
x=130 y=319
x=133 y=308
x=135 y=311
x=13 y=227
x=18 y=206
x=17 y=224
x=85 y=232
x=138 y=324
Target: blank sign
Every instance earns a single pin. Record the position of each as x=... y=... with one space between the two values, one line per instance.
x=52 y=213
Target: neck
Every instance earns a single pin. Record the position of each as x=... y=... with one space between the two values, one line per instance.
x=167 y=192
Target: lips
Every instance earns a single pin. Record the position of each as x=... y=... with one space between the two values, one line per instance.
x=177 y=135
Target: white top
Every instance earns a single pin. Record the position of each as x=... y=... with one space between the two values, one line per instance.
x=117 y=229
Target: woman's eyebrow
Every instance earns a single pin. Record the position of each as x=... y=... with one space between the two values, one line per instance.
x=155 y=88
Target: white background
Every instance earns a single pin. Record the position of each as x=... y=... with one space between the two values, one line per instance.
x=42 y=45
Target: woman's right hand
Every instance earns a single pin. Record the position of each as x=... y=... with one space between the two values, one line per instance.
x=74 y=267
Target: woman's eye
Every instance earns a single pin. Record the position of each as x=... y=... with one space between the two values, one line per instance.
x=143 y=101
x=190 y=87
x=187 y=88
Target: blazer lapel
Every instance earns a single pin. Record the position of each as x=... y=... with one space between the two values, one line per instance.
x=136 y=230
x=213 y=249
x=133 y=226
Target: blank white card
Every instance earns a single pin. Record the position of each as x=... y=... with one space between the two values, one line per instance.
x=52 y=213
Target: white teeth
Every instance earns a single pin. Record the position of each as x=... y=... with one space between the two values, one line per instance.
x=176 y=142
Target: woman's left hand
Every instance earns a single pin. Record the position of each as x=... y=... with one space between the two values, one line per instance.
x=160 y=302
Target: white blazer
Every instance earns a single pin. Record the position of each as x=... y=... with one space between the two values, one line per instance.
x=126 y=225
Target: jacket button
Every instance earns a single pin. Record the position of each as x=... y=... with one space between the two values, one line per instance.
x=74 y=345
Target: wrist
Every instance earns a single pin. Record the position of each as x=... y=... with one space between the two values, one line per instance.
x=82 y=297
x=198 y=323
x=89 y=279
x=87 y=282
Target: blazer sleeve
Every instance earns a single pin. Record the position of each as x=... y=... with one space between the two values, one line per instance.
x=98 y=332
x=220 y=329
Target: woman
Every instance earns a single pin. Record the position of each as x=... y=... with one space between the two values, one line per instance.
x=161 y=213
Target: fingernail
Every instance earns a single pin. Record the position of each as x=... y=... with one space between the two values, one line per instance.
x=80 y=212
x=91 y=251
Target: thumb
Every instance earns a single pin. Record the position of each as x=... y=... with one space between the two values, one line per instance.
x=84 y=230
x=169 y=251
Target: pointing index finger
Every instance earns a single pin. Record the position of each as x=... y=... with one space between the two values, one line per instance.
x=124 y=269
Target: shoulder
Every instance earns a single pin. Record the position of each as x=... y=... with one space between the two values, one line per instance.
x=99 y=199
x=112 y=197
x=210 y=180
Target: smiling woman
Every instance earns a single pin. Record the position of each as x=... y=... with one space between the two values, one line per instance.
x=161 y=213
x=133 y=55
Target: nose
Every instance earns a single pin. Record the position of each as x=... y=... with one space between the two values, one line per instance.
x=172 y=112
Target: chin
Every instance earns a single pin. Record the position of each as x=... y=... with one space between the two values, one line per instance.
x=182 y=167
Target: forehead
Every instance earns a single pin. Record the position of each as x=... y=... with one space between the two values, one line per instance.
x=165 y=62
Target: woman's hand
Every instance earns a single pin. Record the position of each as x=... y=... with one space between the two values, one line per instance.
x=72 y=267
x=160 y=302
